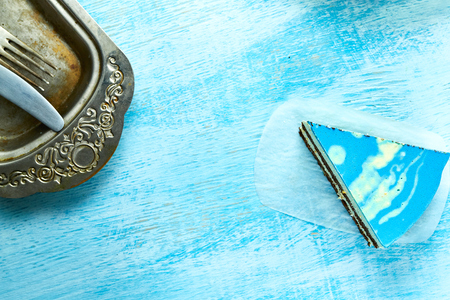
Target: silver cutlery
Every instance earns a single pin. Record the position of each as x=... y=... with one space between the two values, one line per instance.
x=17 y=87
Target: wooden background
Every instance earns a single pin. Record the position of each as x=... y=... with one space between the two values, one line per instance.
x=175 y=213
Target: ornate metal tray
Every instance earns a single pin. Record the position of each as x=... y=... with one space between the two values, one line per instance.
x=92 y=90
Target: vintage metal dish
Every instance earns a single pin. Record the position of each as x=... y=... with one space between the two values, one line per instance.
x=92 y=90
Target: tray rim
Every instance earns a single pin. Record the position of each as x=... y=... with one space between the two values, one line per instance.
x=95 y=62
x=85 y=145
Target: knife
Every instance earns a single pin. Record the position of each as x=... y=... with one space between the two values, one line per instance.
x=19 y=92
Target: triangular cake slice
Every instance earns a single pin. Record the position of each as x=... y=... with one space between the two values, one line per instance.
x=384 y=185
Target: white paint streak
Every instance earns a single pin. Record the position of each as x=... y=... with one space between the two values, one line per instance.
x=369 y=179
x=405 y=203
x=337 y=154
x=386 y=192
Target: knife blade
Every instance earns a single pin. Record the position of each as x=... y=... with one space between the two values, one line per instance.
x=19 y=92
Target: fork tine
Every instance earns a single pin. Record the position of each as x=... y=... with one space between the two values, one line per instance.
x=21 y=55
x=14 y=60
x=14 y=39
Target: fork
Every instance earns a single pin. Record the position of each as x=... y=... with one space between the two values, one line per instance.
x=17 y=87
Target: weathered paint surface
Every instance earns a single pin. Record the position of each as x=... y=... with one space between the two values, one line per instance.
x=175 y=214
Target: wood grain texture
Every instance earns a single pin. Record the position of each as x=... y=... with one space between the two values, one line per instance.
x=175 y=214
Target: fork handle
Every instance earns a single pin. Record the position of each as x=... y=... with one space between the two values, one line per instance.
x=19 y=92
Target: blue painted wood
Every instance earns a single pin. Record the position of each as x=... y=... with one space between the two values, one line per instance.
x=175 y=215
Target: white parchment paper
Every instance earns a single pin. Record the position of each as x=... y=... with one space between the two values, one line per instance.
x=288 y=178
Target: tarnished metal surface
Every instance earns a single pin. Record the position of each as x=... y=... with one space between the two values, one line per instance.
x=92 y=90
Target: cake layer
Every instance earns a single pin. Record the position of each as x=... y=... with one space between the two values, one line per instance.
x=386 y=186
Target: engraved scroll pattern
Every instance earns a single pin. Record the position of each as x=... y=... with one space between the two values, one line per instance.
x=78 y=152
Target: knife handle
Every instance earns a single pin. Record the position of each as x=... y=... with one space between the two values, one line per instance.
x=19 y=92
